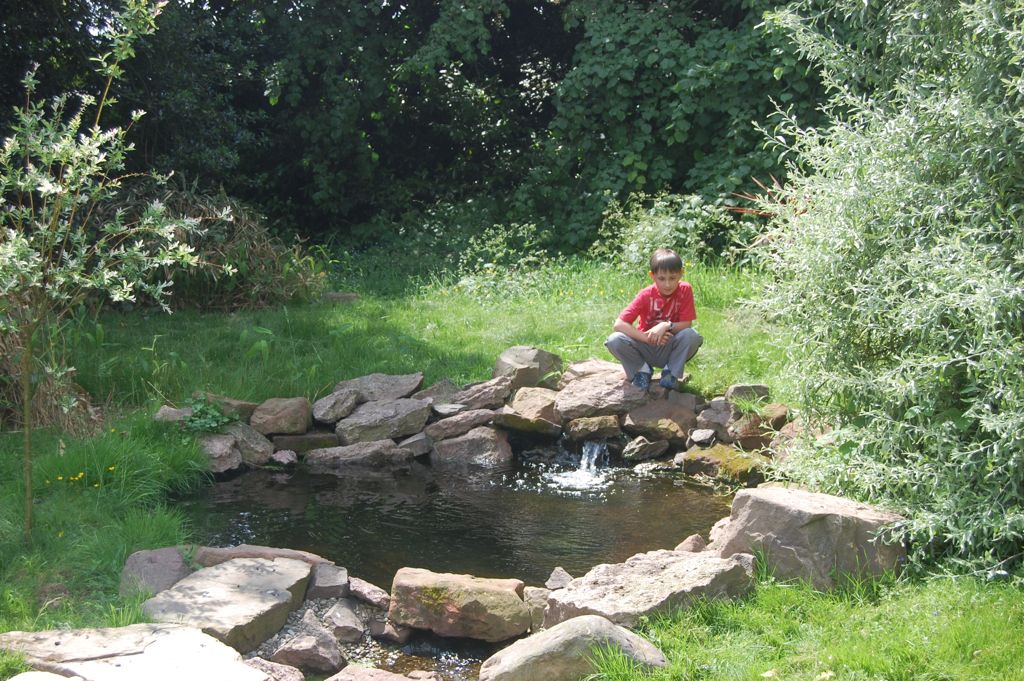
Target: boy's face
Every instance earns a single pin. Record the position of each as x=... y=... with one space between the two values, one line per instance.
x=666 y=281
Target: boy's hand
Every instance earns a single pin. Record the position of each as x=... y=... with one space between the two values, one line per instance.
x=659 y=334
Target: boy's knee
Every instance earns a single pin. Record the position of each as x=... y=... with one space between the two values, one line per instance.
x=616 y=340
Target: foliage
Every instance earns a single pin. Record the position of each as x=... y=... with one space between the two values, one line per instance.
x=900 y=259
x=206 y=416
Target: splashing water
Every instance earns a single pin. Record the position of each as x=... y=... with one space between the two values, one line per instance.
x=593 y=473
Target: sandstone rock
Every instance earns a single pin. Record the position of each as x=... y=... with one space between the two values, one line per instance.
x=642 y=449
x=328 y=581
x=593 y=428
x=168 y=414
x=424 y=675
x=692 y=544
x=384 y=419
x=314 y=439
x=241 y=602
x=154 y=652
x=589 y=367
x=459 y=424
x=447 y=409
x=482 y=446
x=508 y=419
x=811 y=536
x=378 y=454
x=441 y=392
x=650 y=582
x=528 y=366
x=418 y=444
x=750 y=433
x=208 y=556
x=724 y=461
x=336 y=406
x=275 y=671
x=598 y=394
x=221 y=451
x=536 y=403
x=357 y=673
x=685 y=400
x=153 y=571
x=315 y=649
x=536 y=600
x=369 y=593
x=389 y=631
x=283 y=415
x=486 y=395
x=558 y=579
x=254 y=447
x=563 y=652
x=782 y=443
x=702 y=437
x=382 y=387
x=717 y=416
x=718 y=530
x=229 y=406
x=344 y=622
x=459 y=605
x=285 y=457
x=747 y=391
x=660 y=420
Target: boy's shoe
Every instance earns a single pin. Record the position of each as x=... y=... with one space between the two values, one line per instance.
x=642 y=380
x=668 y=381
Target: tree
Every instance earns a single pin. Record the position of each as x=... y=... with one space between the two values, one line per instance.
x=61 y=241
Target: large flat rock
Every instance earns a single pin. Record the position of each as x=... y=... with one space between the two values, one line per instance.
x=380 y=420
x=241 y=602
x=149 y=652
x=650 y=582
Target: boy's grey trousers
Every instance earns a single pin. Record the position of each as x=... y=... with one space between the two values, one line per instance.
x=672 y=356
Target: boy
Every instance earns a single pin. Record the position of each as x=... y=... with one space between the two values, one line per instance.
x=665 y=336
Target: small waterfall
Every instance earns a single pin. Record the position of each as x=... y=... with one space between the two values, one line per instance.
x=592 y=474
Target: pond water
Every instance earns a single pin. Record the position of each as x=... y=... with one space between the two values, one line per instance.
x=548 y=509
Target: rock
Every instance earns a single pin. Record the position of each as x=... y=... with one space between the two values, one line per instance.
x=383 y=387
x=418 y=444
x=229 y=406
x=536 y=403
x=221 y=451
x=369 y=593
x=563 y=652
x=153 y=571
x=593 y=428
x=314 y=439
x=344 y=622
x=459 y=605
x=724 y=461
x=718 y=530
x=155 y=652
x=528 y=366
x=441 y=392
x=328 y=581
x=167 y=414
x=208 y=556
x=336 y=406
x=660 y=420
x=775 y=415
x=43 y=676
x=445 y=410
x=657 y=581
x=381 y=420
x=782 y=443
x=315 y=649
x=598 y=394
x=356 y=673
x=254 y=447
x=589 y=367
x=747 y=391
x=459 y=424
x=717 y=416
x=750 y=433
x=482 y=446
x=285 y=457
x=275 y=671
x=810 y=536
x=692 y=544
x=283 y=415
x=379 y=454
x=702 y=437
x=389 y=631
x=642 y=449
x=241 y=602
x=424 y=675
x=685 y=400
x=559 y=579
x=486 y=395
x=508 y=419
x=536 y=600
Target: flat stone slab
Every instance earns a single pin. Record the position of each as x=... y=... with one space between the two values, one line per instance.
x=241 y=602
x=650 y=582
x=153 y=652
x=374 y=387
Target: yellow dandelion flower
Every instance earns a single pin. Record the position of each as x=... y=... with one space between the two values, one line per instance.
x=95 y=484
x=60 y=534
x=60 y=477
x=111 y=468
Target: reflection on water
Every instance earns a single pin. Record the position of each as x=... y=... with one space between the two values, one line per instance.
x=521 y=521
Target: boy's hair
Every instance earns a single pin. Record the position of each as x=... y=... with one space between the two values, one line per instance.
x=665 y=259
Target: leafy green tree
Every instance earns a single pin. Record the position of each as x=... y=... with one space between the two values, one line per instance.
x=900 y=262
x=60 y=243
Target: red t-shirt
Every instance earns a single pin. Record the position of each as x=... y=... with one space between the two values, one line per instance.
x=652 y=307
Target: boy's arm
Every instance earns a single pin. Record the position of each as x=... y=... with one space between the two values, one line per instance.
x=625 y=327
